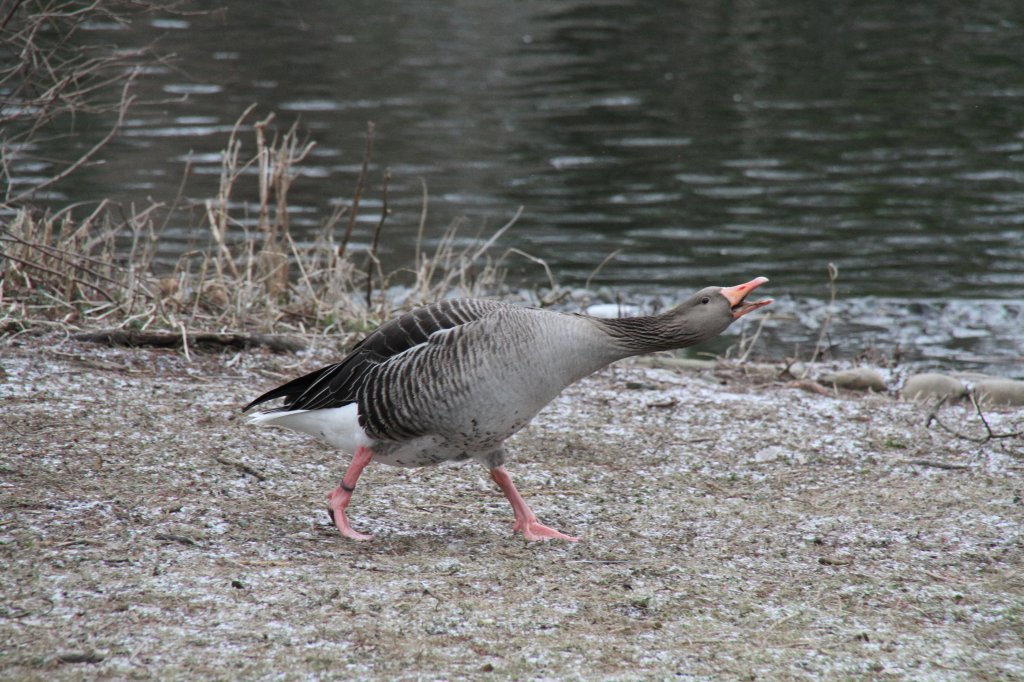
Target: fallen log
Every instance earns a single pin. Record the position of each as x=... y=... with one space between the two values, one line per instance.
x=196 y=340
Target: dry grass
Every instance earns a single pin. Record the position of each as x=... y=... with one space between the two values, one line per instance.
x=252 y=275
x=730 y=531
x=51 y=75
x=61 y=269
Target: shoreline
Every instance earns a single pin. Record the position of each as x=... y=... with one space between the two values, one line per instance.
x=732 y=525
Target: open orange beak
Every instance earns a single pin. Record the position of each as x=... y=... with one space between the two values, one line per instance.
x=738 y=293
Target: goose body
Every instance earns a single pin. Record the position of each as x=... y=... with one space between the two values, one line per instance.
x=453 y=380
x=458 y=394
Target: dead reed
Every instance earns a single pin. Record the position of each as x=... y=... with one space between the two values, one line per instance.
x=250 y=277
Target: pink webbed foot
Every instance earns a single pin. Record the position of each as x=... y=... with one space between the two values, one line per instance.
x=338 y=499
x=535 y=530
x=526 y=520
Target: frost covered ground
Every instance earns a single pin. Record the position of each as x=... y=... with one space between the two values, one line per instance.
x=732 y=529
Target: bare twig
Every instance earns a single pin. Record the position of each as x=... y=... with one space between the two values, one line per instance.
x=50 y=271
x=357 y=195
x=935 y=464
x=494 y=237
x=241 y=466
x=933 y=416
x=422 y=224
x=264 y=172
x=184 y=342
x=753 y=341
x=372 y=263
x=318 y=305
x=64 y=253
x=552 y=284
x=126 y=102
x=217 y=210
x=833 y=274
x=10 y=14
x=600 y=266
x=174 y=537
x=809 y=385
x=133 y=338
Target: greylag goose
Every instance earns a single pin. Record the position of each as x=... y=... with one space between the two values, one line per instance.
x=453 y=380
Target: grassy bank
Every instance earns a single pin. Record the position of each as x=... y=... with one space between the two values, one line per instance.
x=736 y=524
x=251 y=275
x=732 y=528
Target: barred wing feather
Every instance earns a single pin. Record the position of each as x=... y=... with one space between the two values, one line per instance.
x=338 y=385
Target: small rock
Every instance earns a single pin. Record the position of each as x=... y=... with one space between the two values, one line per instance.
x=769 y=454
x=969 y=378
x=930 y=385
x=994 y=391
x=659 y=362
x=80 y=657
x=797 y=369
x=808 y=385
x=613 y=310
x=858 y=379
x=640 y=386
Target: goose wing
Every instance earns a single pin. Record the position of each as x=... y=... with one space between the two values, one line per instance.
x=338 y=384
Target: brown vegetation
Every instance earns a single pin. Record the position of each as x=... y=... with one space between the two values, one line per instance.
x=730 y=530
x=58 y=266
x=100 y=269
x=733 y=528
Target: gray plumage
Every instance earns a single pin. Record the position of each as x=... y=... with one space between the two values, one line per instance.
x=455 y=379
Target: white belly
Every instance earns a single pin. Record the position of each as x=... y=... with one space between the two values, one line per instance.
x=338 y=426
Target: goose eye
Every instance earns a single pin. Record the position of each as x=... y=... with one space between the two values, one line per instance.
x=705 y=300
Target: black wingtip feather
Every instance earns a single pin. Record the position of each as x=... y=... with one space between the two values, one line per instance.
x=339 y=384
x=290 y=391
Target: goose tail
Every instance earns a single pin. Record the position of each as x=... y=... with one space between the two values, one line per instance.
x=338 y=426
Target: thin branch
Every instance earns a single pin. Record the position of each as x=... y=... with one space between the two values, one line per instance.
x=357 y=195
x=241 y=466
x=36 y=266
x=981 y=440
x=753 y=341
x=184 y=341
x=988 y=429
x=555 y=295
x=833 y=274
x=53 y=251
x=10 y=15
x=82 y=160
x=371 y=260
x=494 y=237
x=600 y=266
x=318 y=304
x=935 y=464
x=422 y=225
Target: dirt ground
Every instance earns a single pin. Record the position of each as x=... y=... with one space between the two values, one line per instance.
x=731 y=529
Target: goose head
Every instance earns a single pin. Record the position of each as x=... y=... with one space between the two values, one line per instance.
x=711 y=310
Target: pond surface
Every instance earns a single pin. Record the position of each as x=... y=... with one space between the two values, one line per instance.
x=705 y=142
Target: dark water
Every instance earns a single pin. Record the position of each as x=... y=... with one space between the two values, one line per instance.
x=707 y=141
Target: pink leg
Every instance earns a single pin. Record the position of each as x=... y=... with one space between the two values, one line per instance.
x=526 y=520
x=339 y=498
